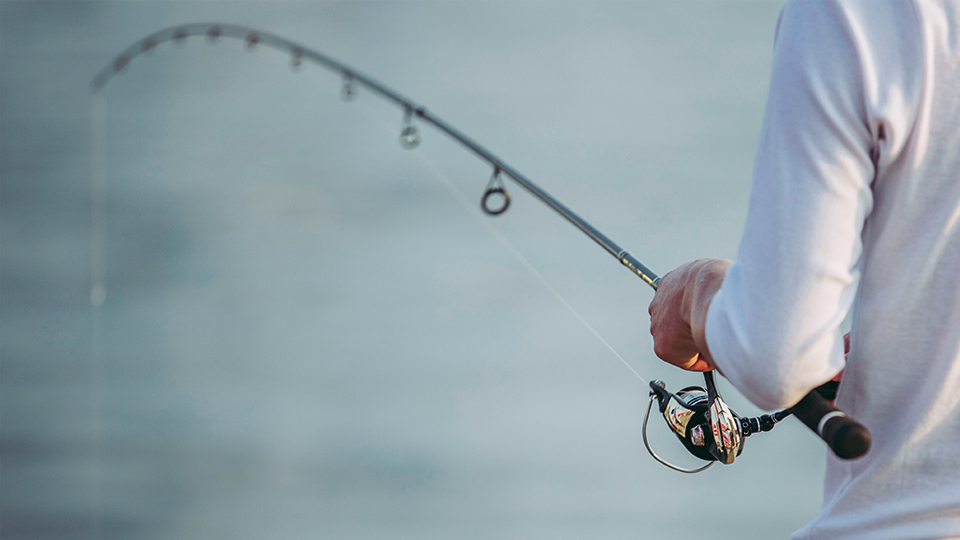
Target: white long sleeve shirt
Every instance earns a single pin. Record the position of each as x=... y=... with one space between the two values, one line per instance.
x=855 y=205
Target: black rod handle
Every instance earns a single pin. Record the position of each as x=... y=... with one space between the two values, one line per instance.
x=845 y=436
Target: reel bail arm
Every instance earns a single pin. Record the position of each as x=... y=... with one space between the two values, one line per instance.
x=659 y=393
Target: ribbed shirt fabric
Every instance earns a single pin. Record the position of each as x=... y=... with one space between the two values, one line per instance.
x=855 y=205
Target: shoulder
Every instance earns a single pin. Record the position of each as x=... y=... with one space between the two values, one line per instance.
x=876 y=23
x=857 y=19
x=872 y=48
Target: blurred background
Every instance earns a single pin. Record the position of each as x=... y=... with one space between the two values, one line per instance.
x=304 y=334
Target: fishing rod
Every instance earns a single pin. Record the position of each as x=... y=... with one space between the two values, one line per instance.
x=698 y=416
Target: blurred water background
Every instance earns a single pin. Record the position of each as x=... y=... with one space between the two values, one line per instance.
x=305 y=335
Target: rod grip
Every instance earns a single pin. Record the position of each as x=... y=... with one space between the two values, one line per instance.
x=845 y=436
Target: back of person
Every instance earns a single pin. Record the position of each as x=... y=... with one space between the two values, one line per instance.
x=854 y=206
x=902 y=378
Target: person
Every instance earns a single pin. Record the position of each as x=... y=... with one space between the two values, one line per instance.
x=854 y=205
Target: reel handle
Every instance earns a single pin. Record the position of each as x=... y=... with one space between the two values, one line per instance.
x=845 y=436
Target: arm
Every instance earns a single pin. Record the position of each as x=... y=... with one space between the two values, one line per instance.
x=771 y=323
x=774 y=326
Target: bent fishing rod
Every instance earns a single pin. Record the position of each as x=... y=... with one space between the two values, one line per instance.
x=698 y=416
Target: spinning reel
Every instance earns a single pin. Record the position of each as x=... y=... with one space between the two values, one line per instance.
x=706 y=426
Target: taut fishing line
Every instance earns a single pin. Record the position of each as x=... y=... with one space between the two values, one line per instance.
x=98 y=292
x=698 y=416
x=487 y=224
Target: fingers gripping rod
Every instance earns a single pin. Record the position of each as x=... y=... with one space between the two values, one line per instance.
x=847 y=438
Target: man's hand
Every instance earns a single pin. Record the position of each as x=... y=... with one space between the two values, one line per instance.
x=678 y=313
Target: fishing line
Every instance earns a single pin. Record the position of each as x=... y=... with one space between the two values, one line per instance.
x=487 y=224
x=98 y=226
x=98 y=187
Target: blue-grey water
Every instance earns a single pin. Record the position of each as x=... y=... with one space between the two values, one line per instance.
x=306 y=335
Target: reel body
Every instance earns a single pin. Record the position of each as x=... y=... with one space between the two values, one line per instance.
x=703 y=423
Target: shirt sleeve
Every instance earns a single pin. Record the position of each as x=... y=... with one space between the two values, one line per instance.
x=774 y=326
